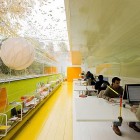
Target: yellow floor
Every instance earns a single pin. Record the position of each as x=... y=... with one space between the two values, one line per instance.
x=54 y=120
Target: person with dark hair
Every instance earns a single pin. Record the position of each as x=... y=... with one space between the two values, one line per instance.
x=101 y=84
x=90 y=77
x=83 y=75
x=109 y=94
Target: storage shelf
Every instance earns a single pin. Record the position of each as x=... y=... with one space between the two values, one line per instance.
x=16 y=126
x=23 y=77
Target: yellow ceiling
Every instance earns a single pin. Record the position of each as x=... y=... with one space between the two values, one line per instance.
x=105 y=31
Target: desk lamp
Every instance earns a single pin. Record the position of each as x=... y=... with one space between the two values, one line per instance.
x=120 y=115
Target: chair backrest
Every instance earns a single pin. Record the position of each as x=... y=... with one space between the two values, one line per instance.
x=104 y=85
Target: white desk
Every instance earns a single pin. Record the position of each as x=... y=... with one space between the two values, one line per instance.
x=98 y=109
x=79 y=83
x=84 y=88
x=79 y=79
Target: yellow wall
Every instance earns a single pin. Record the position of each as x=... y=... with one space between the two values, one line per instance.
x=3 y=98
x=50 y=70
x=72 y=73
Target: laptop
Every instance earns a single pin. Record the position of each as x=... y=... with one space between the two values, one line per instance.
x=133 y=93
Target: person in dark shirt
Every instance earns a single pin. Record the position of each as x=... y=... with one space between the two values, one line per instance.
x=83 y=75
x=89 y=76
x=101 y=84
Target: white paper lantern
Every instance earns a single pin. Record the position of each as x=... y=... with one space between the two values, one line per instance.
x=17 y=53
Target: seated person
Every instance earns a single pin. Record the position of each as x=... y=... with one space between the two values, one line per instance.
x=101 y=84
x=109 y=94
x=83 y=75
x=90 y=78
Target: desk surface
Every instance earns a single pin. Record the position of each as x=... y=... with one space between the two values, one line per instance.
x=79 y=79
x=98 y=109
x=80 y=83
x=84 y=88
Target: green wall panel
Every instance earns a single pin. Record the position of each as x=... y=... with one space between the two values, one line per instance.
x=16 y=89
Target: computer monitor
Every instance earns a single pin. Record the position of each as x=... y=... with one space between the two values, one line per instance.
x=125 y=93
x=106 y=78
x=133 y=93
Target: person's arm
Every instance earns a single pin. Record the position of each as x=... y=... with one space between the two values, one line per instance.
x=101 y=93
x=138 y=113
x=106 y=95
x=136 y=110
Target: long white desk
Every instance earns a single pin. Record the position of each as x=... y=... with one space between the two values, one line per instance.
x=92 y=119
x=98 y=109
x=84 y=88
x=79 y=83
